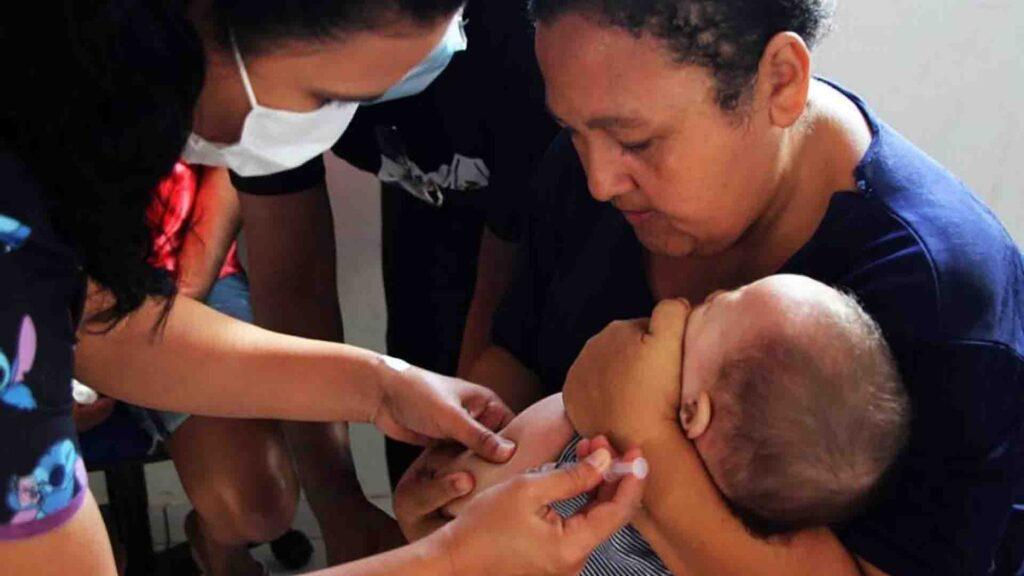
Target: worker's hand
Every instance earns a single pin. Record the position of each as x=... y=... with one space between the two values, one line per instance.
x=424 y=491
x=588 y=446
x=417 y=406
x=88 y=416
x=511 y=530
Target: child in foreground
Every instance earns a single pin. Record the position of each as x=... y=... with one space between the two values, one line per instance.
x=790 y=396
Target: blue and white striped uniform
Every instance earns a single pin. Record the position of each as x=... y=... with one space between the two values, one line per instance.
x=626 y=553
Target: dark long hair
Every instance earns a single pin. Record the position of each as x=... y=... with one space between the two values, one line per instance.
x=259 y=24
x=98 y=102
x=98 y=105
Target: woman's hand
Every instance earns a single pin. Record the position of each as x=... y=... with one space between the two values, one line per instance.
x=89 y=416
x=417 y=406
x=511 y=530
x=626 y=381
x=424 y=491
x=588 y=446
x=431 y=492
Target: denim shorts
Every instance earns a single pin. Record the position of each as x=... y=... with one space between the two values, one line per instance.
x=229 y=295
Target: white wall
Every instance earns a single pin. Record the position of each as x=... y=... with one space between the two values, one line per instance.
x=355 y=205
x=949 y=75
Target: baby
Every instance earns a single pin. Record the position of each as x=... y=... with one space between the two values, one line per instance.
x=790 y=396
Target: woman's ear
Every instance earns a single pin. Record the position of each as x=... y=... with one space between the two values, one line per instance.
x=695 y=416
x=784 y=78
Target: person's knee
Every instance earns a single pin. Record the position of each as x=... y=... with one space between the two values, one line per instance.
x=257 y=510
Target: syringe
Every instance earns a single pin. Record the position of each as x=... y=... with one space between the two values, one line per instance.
x=619 y=470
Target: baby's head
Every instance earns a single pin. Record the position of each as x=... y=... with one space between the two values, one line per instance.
x=792 y=398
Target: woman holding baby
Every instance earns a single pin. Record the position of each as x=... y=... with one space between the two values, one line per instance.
x=699 y=154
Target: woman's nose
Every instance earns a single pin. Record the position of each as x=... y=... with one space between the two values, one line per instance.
x=605 y=176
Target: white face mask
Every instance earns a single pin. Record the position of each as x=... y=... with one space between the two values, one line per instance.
x=273 y=140
x=417 y=79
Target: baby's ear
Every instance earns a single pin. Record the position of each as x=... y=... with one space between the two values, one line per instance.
x=695 y=415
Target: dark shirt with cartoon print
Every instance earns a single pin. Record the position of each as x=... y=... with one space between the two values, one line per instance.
x=42 y=476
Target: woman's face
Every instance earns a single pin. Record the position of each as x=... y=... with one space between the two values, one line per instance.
x=689 y=177
x=303 y=76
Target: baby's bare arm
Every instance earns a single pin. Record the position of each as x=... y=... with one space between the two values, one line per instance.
x=540 y=432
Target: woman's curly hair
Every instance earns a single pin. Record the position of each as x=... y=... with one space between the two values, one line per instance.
x=727 y=37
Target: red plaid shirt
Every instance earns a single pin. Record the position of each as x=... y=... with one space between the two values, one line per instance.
x=170 y=215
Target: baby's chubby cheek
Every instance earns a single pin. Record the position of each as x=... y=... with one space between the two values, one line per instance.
x=711 y=451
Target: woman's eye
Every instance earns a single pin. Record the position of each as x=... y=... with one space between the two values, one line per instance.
x=636 y=147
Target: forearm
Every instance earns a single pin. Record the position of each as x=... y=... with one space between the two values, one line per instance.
x=688 y=524
x=500 y=371
x=291 y=267
x=212 y=231
x=495 y=265
x=203 y=362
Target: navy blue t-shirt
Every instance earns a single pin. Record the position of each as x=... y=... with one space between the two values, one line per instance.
x=42 y=477
x=927 y=260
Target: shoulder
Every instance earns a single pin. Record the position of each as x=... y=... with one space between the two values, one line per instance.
x=931 y=261
x=24 y=211
x=976 y=269
x=32 y=252
x=928 y=259
x=943 y=279
x=945 y=282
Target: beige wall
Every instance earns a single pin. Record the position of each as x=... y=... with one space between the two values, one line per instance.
x=949 y=75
